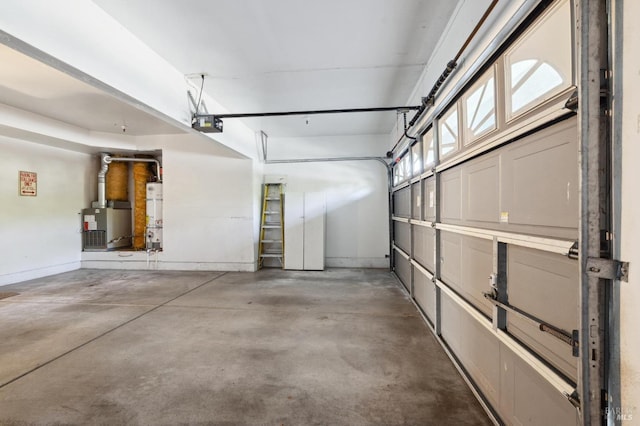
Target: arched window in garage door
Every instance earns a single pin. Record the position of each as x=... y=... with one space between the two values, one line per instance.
x=535 y=72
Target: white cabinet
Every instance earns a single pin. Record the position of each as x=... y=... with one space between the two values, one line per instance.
x=304 y=230
x=294 y=230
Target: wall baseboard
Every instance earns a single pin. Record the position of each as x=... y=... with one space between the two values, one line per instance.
x=356 y=262
x=141 y=260
x=167 y=266
x=31 y=274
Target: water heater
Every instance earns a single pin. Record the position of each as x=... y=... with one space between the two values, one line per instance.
x=154 y=216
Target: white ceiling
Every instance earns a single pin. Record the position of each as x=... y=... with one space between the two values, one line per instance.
x=259 y=56
x=283 y=55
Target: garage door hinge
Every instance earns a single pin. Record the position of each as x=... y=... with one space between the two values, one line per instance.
x=608 y=269
x=574 y=252
x=572 y=102
x=573 y=398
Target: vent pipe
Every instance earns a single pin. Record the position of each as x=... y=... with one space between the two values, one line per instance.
x=102 y=180
x=108 y=159
x=105 y=160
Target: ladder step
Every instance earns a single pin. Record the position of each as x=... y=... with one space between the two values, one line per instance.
x=273 y=198
x=272 y=212
x=271 y=226
x=271 y=255
x=271 y=241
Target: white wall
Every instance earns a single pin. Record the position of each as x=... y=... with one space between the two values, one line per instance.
x=258 y=179
x=630 y=227
x=209 y=202
x=357 y=228
x=211 y=207
x=208 y=211
x=41 y=235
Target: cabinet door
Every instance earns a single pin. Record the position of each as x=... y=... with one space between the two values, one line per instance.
x=314 y=236
x=294 y=230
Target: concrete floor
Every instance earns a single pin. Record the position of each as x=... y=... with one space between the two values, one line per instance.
x=339 y=347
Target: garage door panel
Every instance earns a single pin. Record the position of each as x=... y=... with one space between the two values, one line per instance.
x=527 y=398
x=554 y=351
x=450 y=326
x=481 y=190
x=466 y=263
x=402 y=202
x=424 y=292
x=529 y=186
x=416 y=201
x=451 y=258
x=468 y=338
x=451 y=195
x=477 y=258
x=540 y=179
x=544 y=284
x=429 y=199
x=485 y=369
x=424 y=246
x=521 y=393
x=402 y=268
x=402 y=236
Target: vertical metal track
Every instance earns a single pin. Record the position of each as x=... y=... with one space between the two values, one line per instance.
x=499 y=283
x=437 y=275
x=616 y=62
x=391 y=210
x=592 y=36
x=438 y=234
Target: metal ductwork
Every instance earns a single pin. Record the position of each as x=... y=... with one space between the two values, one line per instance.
x=107 y=159
x=102 y=180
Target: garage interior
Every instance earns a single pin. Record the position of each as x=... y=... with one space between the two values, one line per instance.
x=356 y=212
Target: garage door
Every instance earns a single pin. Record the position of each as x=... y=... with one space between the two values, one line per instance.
x=486 y=222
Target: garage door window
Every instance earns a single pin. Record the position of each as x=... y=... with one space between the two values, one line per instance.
x=480 y=107
x=429 y=152
x=534 y=72
x=449 y=132
x=402 y=170
x=416 y=159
